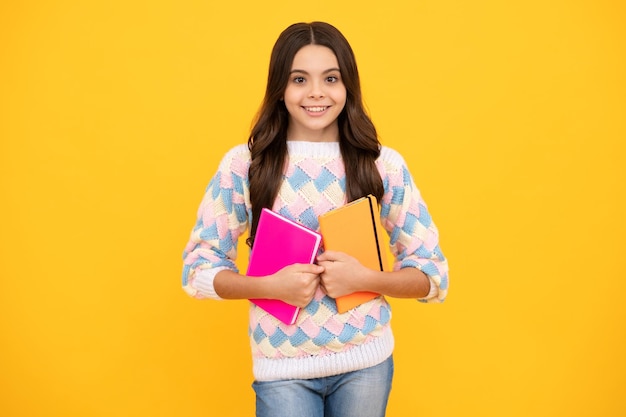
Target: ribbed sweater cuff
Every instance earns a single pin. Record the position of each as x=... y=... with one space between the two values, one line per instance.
x=202 y=282
x=432 y=293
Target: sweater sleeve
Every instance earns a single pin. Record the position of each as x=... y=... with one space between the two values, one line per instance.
x=414 y=237
x=221 y=219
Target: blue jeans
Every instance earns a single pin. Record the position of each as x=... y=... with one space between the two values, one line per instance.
x=362 y=393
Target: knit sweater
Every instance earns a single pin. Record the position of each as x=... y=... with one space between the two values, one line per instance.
x=321 y=342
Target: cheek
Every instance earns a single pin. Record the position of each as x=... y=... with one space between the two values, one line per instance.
x=292 y=97
x=341 y=96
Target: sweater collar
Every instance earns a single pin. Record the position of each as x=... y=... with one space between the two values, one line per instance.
x=313 y=149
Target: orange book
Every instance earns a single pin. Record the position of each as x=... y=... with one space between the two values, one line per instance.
x=355 y=229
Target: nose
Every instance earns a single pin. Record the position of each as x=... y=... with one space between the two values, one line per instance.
x=316 y=91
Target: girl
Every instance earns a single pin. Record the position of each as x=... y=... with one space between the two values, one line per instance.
x=313 y=148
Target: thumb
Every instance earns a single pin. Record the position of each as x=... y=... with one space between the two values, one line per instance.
x=311 y=268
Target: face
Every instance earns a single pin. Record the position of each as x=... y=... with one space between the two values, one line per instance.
x=315 y=95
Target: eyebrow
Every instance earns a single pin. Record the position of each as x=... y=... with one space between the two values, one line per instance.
x=324 y=72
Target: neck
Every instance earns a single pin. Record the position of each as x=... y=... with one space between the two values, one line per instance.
x=329 y=134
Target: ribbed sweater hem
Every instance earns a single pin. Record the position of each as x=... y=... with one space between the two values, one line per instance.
x=359 y=357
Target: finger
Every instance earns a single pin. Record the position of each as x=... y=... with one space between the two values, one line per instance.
x=325 y=265
x=328 y=255
x=332 y=256
x=322 y=287
x=306 y=269
x=312 y=269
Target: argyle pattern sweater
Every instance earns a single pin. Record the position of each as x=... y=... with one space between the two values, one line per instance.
x=321 y=342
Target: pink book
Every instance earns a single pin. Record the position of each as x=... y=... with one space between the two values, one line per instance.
x=280 y=242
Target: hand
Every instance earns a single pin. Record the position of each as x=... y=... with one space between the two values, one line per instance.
x=343 y=274
x=296 y=284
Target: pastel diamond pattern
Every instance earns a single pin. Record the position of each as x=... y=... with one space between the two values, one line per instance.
x=315 y=336
x=312 y=186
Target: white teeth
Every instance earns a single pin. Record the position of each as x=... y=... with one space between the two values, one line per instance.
x=315 y=109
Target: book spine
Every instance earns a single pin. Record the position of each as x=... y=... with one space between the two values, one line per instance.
x=374 y=212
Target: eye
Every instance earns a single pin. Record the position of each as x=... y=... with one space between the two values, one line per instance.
x=332 y=79
x=298 y=80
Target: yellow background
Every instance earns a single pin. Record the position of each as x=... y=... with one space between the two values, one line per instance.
x=114 y=115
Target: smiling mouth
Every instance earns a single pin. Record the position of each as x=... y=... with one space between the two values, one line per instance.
x=316 y=109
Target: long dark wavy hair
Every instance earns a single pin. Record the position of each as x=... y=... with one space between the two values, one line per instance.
x=358 y=140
